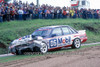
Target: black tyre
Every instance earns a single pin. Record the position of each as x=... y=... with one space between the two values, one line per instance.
x=76 y=43
x=19 y=52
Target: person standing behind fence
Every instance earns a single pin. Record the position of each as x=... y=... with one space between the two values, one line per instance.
x=77 y=13
x=98 y=12
x=40 y=13
x=48 y=14
x=89 y=14
x=58 y=13
x=8 y=14
x=45 y=12
x=64 y=13
x=55 y=13
x=84 y=14
x=16 y=14
x=52 y=13
x=3 y=14
x=31 y=12
x=25 y=14
x=20 y=13
x=36 y=13
x=67 y=11
x=1 y=20
x=72 y=13
x=95 y=14
x=12 y=14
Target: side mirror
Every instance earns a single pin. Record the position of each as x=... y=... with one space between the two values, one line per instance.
x=53 y=35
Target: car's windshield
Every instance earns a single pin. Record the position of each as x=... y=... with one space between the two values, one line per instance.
x=42 y=33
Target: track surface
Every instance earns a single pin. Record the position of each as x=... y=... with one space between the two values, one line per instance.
x=86 y=57
x=90 y=58
x=5 y=55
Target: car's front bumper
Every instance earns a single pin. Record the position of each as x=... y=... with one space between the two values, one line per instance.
x=14 y=49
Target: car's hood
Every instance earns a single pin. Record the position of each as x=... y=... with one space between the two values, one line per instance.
x=22 y=40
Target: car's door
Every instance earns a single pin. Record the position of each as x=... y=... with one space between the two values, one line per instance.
x=55 y=34
x=67 y=36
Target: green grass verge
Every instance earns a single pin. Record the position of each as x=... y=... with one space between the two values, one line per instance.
x=13 y=58
x=15 y=29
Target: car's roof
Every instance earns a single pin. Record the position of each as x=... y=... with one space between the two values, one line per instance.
x=50 y=27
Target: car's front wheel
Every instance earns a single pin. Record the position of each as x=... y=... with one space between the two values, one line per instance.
x=76 y=43
x=43 y=48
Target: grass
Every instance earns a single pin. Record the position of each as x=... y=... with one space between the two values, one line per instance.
x=15 y=29
x=13 y=58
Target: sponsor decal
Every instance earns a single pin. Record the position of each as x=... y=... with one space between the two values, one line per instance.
x=64 y=41
x=56 y=41
x=20 y=38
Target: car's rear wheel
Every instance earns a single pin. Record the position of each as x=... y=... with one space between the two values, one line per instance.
x=76 y=43
x=43 y=48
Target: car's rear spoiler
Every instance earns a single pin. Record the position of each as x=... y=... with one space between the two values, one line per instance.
x=82 y=31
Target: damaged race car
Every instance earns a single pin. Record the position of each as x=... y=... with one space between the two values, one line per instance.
x=49 y=38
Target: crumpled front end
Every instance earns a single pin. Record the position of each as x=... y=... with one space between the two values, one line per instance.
x=20 y=44
x=24 y=44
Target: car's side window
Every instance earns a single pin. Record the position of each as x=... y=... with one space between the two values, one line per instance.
x=73 y=30
x=57 y=32
x=66 y=31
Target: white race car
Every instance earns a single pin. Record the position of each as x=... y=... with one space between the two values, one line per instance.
x=49 y=38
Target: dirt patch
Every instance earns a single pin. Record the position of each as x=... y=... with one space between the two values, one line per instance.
x=2 y=45
x=86 y=57
x=93 y=27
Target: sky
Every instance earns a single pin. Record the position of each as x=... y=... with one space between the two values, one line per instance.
x=94 y=4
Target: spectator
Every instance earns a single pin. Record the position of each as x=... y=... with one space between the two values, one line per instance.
x=84 y=15
x=48 y=14
x=58 y=12
x=12 y=13
x=55 y=13
x=36 y=14
x=1 y=20
x=40 y=13
x=95 y=14
x=8 y=14
x=72 y=13
x=24 y=14
x=3 y=12
x=20 y=13
x=64 y=13
x=52 y=13
x=16 y=14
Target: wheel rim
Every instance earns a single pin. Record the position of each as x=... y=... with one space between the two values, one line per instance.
x=43 y=48
x=77 y=43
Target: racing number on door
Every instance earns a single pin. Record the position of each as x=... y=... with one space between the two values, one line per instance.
x=53 y=43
